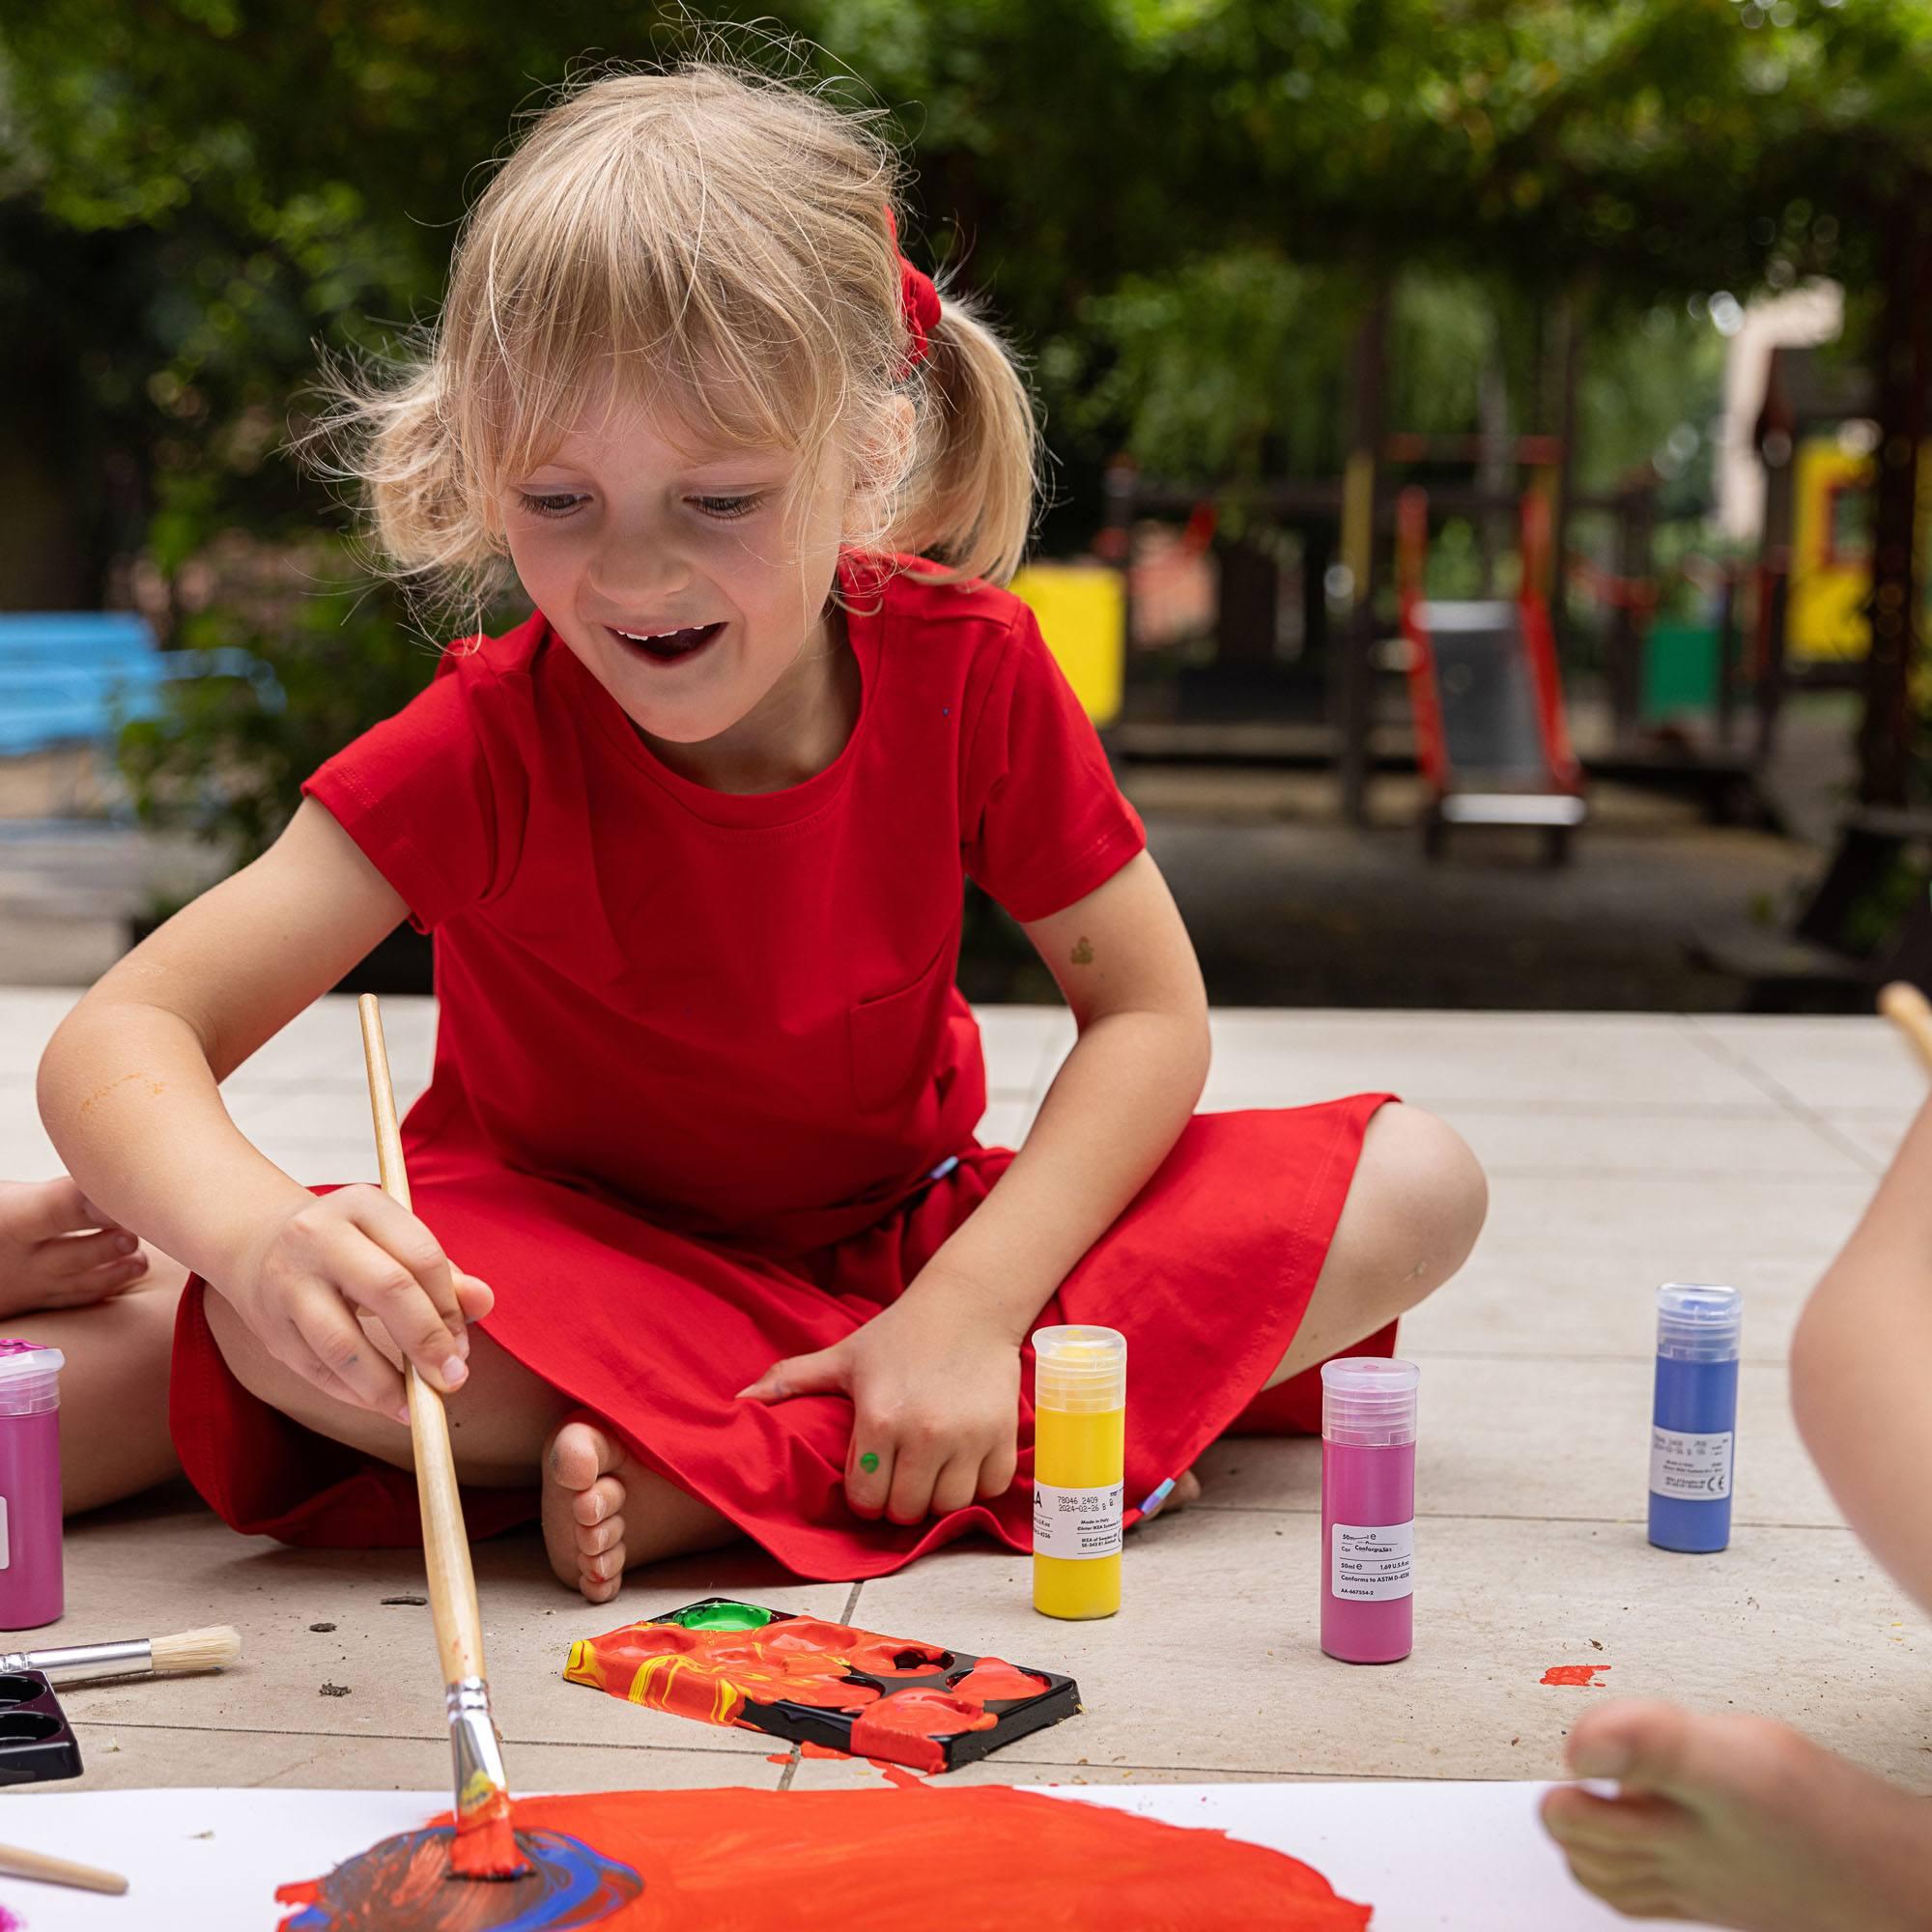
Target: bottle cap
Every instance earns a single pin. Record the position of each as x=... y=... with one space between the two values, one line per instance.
x=1080 y=1369
x=1698 y=1321
x=29 y=1377
x=1369 y=1401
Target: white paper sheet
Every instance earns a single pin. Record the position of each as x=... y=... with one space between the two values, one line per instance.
x=1427 y=1855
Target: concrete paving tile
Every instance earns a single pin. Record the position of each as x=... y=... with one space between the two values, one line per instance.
x=1877 y=1130
x=1442 y=1059
x=1566 y=1300
x=830 y=1773
x=1214 y=1662
x=1015 y=1040
x=157 y=1566
x=125 y=1756
x=1845 y=1062
x=1536 y=1440
x=28 y=1016
x=1006 y=1123
x=1678 y=1227
x=1664 y=1145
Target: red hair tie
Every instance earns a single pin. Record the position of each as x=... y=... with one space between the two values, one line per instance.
x=918 y=303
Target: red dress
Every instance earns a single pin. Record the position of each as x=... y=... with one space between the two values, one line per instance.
x=704 y=1091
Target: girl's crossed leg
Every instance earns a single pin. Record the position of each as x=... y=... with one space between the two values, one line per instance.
x=1413 y=1211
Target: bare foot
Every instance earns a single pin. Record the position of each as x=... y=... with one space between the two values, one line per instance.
x=585 y=1467
x=1740 y=1822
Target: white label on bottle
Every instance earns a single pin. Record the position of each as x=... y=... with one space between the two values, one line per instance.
x=1372 y=1565
x=6 y=1541
x=1689 y=1469
x=1077 y=1523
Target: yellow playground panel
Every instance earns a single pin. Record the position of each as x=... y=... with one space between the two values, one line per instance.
x=1082 y=611
x=1826 y=621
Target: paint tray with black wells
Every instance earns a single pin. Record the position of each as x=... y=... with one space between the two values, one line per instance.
x=35 y=1740
x=808 y=1681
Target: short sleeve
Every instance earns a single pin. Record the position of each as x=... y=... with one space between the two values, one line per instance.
x=432 y=794
x=1043 y=822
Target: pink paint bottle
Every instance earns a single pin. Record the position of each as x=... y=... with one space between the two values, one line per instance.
x=32 y=1589
x=1368 y=1508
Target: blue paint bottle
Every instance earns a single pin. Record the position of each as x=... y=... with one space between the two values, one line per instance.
x=1693 y=1416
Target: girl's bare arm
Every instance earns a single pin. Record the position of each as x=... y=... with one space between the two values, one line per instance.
x=129 y=1089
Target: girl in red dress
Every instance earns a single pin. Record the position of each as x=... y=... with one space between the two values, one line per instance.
x=705 y=1244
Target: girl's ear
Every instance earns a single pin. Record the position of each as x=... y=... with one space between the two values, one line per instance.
x=881 y=463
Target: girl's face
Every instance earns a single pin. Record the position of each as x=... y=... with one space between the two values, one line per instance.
x=675 y=573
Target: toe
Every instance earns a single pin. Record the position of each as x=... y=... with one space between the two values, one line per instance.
x=599 y=1502
x=580 y=1452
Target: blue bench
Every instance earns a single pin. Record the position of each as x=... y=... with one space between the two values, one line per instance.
x=75 y=677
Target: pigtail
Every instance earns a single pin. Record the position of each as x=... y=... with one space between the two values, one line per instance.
x=969 y=502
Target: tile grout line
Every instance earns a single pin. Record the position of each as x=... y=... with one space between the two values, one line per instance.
x=1721 y=1050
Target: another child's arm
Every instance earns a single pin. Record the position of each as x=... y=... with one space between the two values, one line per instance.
x=934 y=1380
x=1859 y=1364
x=128 y=1091
x=58 y=1250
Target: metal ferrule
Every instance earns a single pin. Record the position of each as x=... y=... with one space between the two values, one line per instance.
x=136 y=1654
x=475 y=1747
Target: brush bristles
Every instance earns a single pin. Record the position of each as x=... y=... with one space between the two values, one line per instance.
x=487 y=1849
x=214 y=1648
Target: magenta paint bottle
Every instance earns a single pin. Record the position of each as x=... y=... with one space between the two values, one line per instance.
x=1368 y=1508
x=32 y=1589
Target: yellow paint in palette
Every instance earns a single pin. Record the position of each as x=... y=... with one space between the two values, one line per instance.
x=1080 y=1418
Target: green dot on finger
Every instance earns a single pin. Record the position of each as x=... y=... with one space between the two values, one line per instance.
x=868 y=1462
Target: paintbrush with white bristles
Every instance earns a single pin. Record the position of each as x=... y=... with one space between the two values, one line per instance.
x=214 y=1648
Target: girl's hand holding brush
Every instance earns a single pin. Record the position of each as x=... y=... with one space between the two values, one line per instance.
x=345 y=1287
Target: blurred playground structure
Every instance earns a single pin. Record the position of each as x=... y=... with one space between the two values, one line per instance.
x=1412 y=611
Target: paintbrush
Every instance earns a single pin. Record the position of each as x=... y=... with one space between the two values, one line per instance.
x=214 y=1648
x=484 y=1845
x=50 y=1870
x=1909 y=1011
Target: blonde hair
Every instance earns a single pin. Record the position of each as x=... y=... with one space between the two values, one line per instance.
x=719 y=239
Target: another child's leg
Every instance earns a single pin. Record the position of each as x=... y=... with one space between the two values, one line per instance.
x=114 y=1389
x=602 y=1511
x=1414 y=1210
x=1739 y=1820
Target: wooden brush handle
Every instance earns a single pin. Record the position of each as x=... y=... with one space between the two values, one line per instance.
x=1909 y=1011
x=452 y=1584
x=16 y=1863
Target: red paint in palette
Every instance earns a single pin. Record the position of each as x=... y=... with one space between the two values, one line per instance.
x=1583 y=1675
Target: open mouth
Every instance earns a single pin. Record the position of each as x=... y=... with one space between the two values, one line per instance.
x=667 y=647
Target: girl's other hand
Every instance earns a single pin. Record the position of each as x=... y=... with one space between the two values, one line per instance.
x=935 y=1396
x=57 y=1250
x=327 y=1286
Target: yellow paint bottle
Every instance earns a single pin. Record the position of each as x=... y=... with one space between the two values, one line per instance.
x=1079 y=1458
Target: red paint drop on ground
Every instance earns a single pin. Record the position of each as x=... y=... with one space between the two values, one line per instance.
x=897 y=1774
x=778 y=1758
x=821 y=1750
x=984 y=1859
x=1581 y=1674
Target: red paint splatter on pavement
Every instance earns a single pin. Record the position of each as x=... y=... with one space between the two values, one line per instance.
x=1583 y=1675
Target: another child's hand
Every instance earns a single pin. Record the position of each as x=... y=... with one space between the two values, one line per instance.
x=322 y=1288
x=935 y=1403
x=57 y=1250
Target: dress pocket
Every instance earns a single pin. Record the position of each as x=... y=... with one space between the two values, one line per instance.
x=893 y=1035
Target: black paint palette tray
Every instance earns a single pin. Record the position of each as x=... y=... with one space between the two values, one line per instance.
x=35 y=1741
x=810 y=1682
